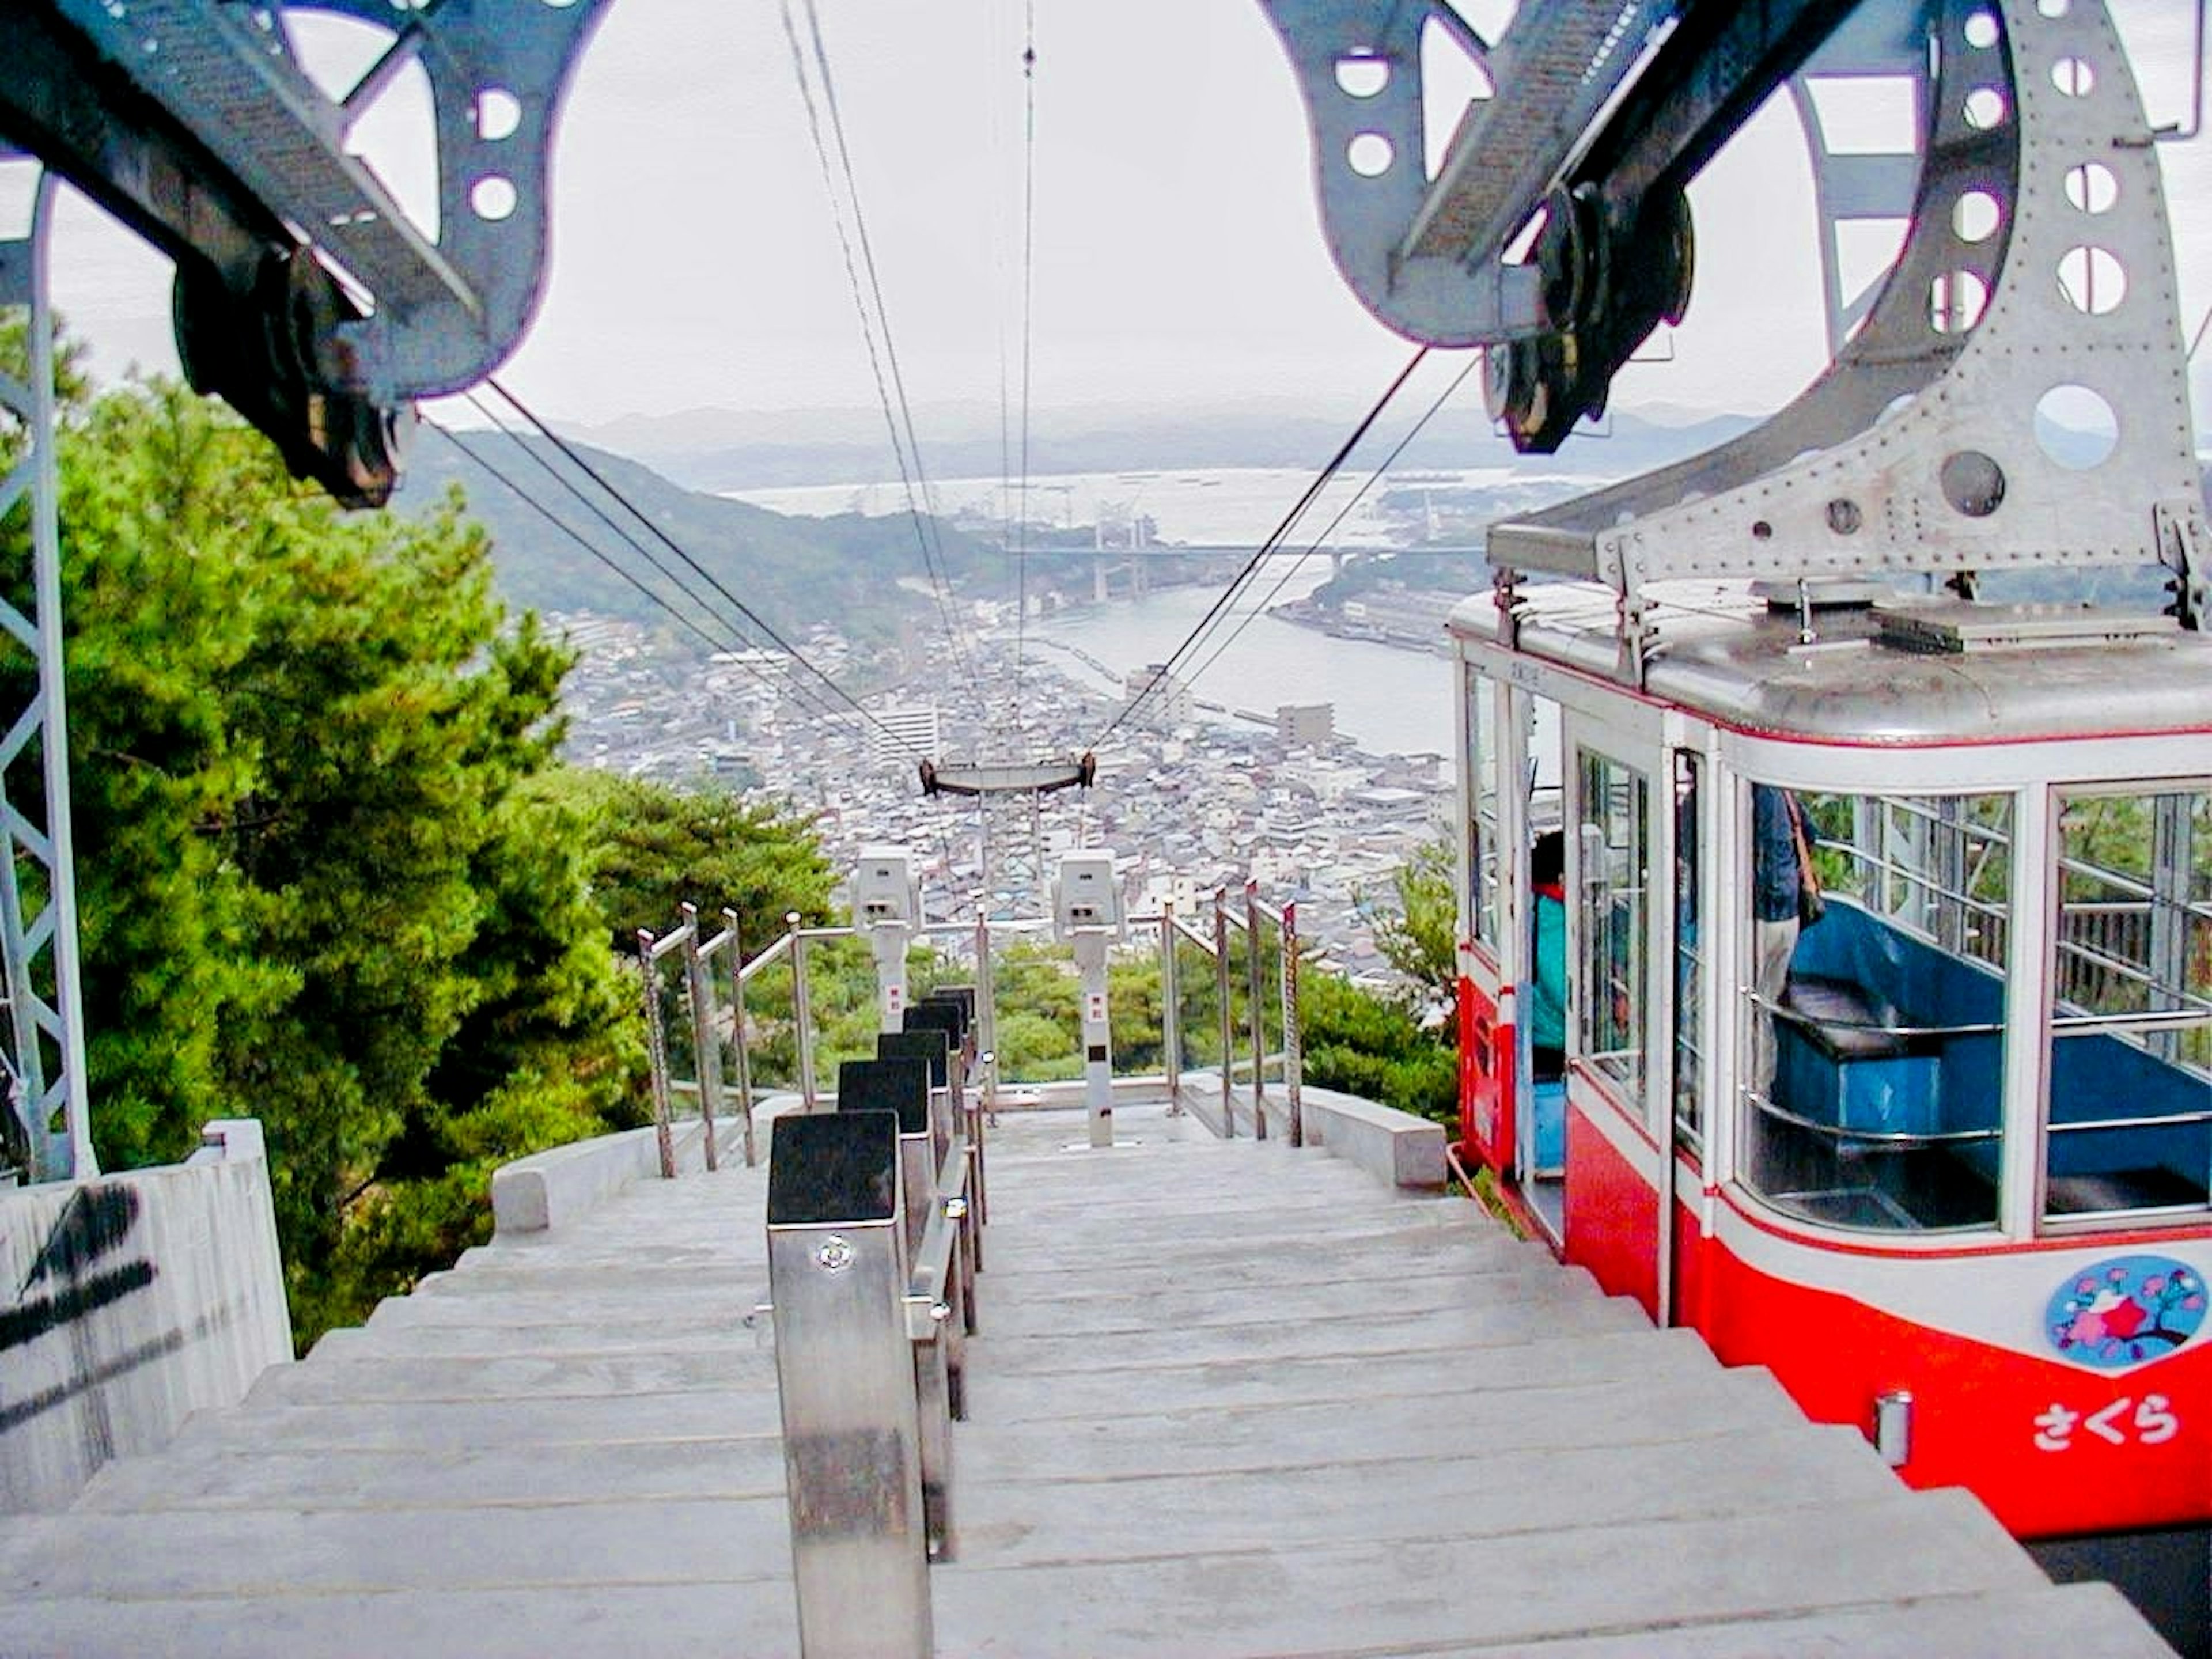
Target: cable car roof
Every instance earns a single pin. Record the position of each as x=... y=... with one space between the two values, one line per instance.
x=1883 y=674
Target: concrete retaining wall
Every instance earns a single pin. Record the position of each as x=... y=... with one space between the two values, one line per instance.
x=127 y=1302
x=1394 y=1146
x=551 y=1189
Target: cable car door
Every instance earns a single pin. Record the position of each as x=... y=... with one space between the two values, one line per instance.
x=1489 y=959
x=1615 y=923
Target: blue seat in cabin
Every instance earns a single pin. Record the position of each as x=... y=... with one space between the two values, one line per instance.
x=2098 y=1078
x=1853 y=974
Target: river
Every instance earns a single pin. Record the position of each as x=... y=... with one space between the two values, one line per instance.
x=1389 y=700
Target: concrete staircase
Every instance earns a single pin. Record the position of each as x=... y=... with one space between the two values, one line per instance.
x=1227 y=1398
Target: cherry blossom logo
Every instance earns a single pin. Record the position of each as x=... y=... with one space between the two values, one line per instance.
x=2125 y=1310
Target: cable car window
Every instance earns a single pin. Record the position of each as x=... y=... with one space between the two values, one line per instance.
x=1878 y=929
x=1689 y=959
x=2127 y=1124
x=1483 y=897
x=1611 y=983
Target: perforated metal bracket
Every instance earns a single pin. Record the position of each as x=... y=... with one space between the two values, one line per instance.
x=1358 y=66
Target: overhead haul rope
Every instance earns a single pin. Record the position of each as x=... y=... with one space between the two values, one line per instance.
x=1243 y=578
x=1029 y=275
x=765 y=629
x=486 y=464
x=1342 y=513
x=898 y=417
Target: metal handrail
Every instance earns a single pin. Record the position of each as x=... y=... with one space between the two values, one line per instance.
x=1247 y=1058
x=2159 y=1121
x=1783 y=1010
x=1883 y=1137
x=768 y=958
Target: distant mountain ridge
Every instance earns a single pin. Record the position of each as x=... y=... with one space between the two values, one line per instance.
x=722 y=450
x=794 y=573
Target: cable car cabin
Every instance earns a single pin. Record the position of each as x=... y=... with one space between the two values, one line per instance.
x=1940 y=1158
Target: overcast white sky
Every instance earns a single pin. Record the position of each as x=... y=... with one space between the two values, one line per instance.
x=1179 y=256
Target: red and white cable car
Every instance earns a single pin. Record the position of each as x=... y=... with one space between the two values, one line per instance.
x=1932 y=640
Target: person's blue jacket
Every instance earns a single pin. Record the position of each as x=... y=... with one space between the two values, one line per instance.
x=1774 y=856
x=1547 y=989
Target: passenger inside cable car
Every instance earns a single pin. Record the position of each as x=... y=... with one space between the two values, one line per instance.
x=1885 y=1104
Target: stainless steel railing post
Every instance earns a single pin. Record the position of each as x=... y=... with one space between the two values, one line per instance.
x=1228 y=1017
x=1170 y=1011
x=802 y=1013
x=737 y=1046
x=656 y=1047
x=1293 y=1043
x=845 y=1366
x=1256 y=1009
x=705 y=1042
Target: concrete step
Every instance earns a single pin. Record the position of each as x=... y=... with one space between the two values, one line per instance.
x=1193 y=1253
x=2079 y=1621
x=674 y=1618
x=1529 y=1310
x=364 y=1376
x=437 y=1427
x=280 y=1552
x=680 y=1619
x=1409 y=1595
x=1158 y=1434
x=1559 y=1359
x=676 y=1329
x=217 y=1475
x=1437 y=1497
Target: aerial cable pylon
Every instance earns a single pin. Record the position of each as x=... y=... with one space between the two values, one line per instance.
x=46 y=1004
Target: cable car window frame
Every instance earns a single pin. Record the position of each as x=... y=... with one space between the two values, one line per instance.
x=1611 y=911
x=1919 y=864
x=1482 y=890
x=2183 y=1031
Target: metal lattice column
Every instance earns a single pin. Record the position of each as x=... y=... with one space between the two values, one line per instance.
x=38 y=882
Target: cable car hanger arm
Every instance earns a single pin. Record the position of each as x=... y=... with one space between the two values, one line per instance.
x=306 y=295
x=1601 y=112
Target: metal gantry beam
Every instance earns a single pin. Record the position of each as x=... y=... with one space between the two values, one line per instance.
x=37 y=883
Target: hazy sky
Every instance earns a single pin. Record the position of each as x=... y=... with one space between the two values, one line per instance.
x=1178 y=254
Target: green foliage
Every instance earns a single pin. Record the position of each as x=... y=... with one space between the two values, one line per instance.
x=1040 y=1023
x=322 y=878
x=657 y=848
x=1374 y=1046
x=1418 y=939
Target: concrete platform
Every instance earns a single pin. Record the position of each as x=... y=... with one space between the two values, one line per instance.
x=1225 y=1399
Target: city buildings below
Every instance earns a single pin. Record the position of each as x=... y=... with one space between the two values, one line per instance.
x=1190 y=802
x=1166 y=700
x=905 y=733
x=1308 y=724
